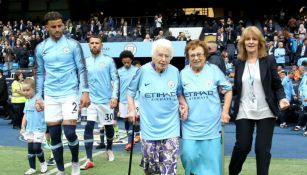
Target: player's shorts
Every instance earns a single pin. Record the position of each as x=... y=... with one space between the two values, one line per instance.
x=59 y=109
x=36 y=137
x=123 y=109
x=101 y=113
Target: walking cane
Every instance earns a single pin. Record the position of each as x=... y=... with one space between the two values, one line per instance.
x=132 y=145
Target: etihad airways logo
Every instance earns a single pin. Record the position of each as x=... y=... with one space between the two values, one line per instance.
x=163 y=96
x=198 y=95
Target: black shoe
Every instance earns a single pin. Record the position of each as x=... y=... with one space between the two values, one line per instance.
x=101 y=146
x=51 y=162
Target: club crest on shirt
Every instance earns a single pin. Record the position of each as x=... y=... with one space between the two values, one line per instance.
x=171 y=84
x=208 y=82
x=102 y=65
x=66 y=50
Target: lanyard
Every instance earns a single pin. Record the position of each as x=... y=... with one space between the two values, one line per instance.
x=251 y=77
x=251 y=82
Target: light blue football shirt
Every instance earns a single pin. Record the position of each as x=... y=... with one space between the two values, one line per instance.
x=61 y=69
x=125 y=77
x=158 y=102
x=102 y=78
x=201 y=93
x=35 y=120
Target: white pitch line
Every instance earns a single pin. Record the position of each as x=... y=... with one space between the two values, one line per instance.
x=69 y=164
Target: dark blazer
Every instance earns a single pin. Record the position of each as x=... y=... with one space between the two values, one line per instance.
x=299 y=51
x=270 y=80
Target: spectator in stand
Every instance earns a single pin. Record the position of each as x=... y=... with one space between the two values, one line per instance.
x=292 y=46
x=158 y=24
x=181 y=37
x=220 y=44
x=9 y=57
x=160 y=35
x=169 y=36
x=270 y=48
x=22 y=56
x=302 y=32
x=280 y=54
x=292 y=24
x=147 y=38
x=228 y=65
x=302 y=49
x=214 y=56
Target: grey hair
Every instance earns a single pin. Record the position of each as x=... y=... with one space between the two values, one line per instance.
x=162 y=43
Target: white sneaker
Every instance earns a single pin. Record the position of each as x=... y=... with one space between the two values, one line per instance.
x=75 y=168
x=60 y=173
x=110 y=155
x=30 y=171
x=44 y=167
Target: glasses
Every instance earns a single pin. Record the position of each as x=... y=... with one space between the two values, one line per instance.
x=197 y=55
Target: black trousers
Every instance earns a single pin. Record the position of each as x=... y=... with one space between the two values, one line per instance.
x=17 y=109
x=244 y=140
x=302 y=117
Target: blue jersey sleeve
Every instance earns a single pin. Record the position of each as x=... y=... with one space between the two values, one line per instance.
x=81 y=66
x=114 y=77
x=40 y=71
x=222 y=81
x=179 y=87
x=134 y=84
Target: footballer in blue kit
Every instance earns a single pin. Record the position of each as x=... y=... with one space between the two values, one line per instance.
x=103 y=88
x=61 y=73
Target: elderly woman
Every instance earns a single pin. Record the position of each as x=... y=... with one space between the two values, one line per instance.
x=158 y=86
x=201 y=131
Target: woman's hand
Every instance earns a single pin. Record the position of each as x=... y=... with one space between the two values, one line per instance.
x=183 y=110
x=284 y=104
x=225 y=117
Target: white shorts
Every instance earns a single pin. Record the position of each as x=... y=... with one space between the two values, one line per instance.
x=101 y=113
x=36 y=137
x=59 y=109
x=123 y=109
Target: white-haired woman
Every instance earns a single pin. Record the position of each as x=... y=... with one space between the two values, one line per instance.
x=157 y=84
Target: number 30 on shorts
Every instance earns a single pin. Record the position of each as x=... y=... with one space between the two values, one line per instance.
x=109 y=117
